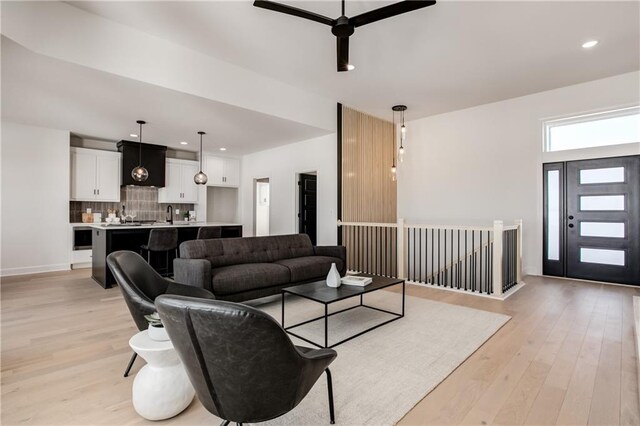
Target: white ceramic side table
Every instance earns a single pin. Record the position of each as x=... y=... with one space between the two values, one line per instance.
x=161 y=389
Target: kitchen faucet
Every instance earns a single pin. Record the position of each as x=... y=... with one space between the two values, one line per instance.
x=170 y=212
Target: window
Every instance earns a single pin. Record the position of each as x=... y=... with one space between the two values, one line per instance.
x=587 y=131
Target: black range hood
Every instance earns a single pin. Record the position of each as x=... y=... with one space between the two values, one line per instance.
x=153 y=159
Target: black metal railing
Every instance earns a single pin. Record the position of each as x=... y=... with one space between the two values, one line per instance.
x=451 y=257
x=372 y=248
x=509 y=259
x=454 y=257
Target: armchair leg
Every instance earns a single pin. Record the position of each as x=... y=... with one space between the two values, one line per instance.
x=332 y=415
x=225 y=423
x=131 y=361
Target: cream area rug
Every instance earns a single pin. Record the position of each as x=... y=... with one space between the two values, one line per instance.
x=379 y=376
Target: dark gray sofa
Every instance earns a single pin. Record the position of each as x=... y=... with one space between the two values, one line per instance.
x=238 y=269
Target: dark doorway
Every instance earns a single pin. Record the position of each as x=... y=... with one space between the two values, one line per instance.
x=307 y=217
x=592 y=219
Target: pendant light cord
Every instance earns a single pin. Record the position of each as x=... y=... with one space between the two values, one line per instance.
x=201 y=152
x=140 y=147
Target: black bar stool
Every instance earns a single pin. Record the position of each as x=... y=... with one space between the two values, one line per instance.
x=209 y=232
x=162 y=240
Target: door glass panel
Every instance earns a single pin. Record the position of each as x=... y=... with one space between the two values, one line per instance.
x=602 y=256
x=608 y=175
x=553 y=215
x=602 y=202
x=602 y=229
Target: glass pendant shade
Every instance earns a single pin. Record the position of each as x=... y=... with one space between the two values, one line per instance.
x=139 y=174
x=403 y=132
x=200 y=178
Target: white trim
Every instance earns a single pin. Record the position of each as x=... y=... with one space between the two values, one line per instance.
x=382 y=225
x=449 y=227
x=503 y=296
x=9 y=272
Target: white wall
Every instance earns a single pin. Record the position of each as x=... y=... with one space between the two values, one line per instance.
x=36 y=236
x=221 y=204
x=281 y=165
x=484 y=163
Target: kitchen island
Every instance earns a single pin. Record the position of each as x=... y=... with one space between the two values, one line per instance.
x=107 y=238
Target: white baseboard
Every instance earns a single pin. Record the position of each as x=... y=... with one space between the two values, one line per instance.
x=9 y=272
x=503 y=296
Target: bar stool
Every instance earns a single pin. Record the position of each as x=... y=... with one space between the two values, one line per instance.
x=162 y=240
x=209 y=232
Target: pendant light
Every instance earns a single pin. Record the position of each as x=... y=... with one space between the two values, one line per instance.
x=393 y=151
x=403 y=128
x=200 y=178
x=139 y=173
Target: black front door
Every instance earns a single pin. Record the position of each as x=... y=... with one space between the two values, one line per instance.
x=307 y=206
x=598 y=220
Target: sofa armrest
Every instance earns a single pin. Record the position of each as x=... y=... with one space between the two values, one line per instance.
x=333 y=251
x=193 y=272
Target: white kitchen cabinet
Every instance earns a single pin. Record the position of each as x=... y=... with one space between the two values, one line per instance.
x=222 y=171
x=95 y=175
x=179 y=185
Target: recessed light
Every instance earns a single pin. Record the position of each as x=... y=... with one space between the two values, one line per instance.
x=223 y=149
x=589 y=44
x=133 y=135
x=351 y=67
x=184 y=143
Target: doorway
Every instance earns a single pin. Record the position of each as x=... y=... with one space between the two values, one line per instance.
x=592 y=219
x=261 y=207
x=307 y=205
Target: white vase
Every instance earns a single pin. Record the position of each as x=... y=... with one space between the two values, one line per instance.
x=333 y=277
x=159 y=334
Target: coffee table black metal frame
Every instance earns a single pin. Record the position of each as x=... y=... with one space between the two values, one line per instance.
x=319 y=292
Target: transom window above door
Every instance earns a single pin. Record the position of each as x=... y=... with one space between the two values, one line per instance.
x=587 y=131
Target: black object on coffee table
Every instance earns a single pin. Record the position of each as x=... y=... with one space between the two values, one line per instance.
x=321 y=293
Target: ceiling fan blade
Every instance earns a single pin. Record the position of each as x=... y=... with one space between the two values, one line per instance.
x=290 y=10
x=389 y=11
x=342 y=48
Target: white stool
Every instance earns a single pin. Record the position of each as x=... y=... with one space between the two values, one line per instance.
x=161 y=389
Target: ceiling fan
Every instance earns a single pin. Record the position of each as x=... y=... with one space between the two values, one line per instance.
x=343 y=27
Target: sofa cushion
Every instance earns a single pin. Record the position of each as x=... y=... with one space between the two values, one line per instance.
x=238 y=278
x=310 y=267
x=235 y=251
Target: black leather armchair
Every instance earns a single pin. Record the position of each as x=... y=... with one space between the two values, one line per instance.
x=240 y=361
x=141 y=284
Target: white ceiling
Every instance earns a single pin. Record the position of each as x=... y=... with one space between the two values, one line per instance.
x=449 y=56
x=47 y=92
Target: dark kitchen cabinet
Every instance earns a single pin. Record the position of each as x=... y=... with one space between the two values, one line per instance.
x=153 y=159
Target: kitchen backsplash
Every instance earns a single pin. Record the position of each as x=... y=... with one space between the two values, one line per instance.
x=139 y=200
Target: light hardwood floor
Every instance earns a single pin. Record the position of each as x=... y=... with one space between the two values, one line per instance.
x=566 y=357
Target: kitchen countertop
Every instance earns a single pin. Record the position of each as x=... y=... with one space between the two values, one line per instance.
x=176 y=224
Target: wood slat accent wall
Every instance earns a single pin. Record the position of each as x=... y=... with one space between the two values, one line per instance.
x=368 y=190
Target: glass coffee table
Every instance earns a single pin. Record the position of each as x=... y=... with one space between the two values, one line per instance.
x=319 y=292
